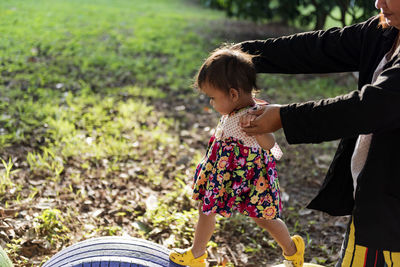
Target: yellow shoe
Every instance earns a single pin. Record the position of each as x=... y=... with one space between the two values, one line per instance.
x=185 y=257
x=297 y=259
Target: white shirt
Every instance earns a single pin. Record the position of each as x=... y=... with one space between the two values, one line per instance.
x=364 y=140
x=229 y=127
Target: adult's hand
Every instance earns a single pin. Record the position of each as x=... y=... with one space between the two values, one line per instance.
x=268 y=120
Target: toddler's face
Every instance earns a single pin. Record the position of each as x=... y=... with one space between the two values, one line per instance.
x=219 y=100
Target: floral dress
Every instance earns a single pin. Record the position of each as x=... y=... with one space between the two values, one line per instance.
x=237 y=174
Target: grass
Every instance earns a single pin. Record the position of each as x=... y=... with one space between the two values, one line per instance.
x=6 y=175
x=80 y=120
x=292 y=88
x=99 y=45
x=147 y=45
x=76 y=91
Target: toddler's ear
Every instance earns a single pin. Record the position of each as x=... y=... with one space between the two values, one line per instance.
x=234 y=94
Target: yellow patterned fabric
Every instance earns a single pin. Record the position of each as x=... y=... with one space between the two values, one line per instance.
x=354 y=255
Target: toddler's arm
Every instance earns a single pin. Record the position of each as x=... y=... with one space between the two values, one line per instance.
x=266 y=140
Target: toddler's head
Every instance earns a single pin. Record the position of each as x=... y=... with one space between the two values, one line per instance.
x=228 y=77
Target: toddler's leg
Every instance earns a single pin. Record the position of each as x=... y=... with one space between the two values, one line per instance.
x=196 y=256
x=204 y=230
x=278 y=230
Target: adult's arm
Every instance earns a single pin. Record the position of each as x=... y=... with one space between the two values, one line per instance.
x=333 y=50
x=375 y=108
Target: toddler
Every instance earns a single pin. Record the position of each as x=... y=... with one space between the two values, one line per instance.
x=238 y=172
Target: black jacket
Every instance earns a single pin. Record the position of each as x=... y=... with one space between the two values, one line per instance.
x=374 y=108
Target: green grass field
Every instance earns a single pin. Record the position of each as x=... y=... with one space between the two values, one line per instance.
x=87 y=132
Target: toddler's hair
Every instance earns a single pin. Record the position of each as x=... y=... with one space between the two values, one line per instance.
x=227 y=67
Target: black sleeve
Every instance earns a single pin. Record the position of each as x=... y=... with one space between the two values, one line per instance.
x=375 y=108
x=333 y=50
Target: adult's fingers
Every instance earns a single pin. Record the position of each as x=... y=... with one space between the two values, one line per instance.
x=252 y=131
x=254 y=127
x=267 y=122
x=257 y=112
x=244 y=121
